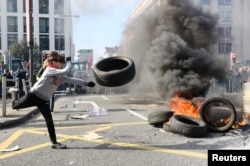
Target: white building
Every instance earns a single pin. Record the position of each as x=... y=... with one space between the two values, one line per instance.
x=233 y=24
x=52 y=24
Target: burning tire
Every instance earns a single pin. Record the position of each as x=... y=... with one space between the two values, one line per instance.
x=114 y=71
x=187 y=126
x=159 y=117
x=218 y=113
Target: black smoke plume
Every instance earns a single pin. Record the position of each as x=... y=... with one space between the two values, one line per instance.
x=172 y=49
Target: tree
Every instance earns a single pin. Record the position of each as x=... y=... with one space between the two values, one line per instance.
x=20 y=49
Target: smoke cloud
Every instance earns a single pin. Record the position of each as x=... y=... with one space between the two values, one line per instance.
x=172 y=49
x=98 y=7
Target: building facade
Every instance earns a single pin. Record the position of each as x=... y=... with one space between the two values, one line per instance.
x=233 y=25
x=52 y=24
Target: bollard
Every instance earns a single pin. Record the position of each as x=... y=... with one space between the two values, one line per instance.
x=24 y=86
x=4 y=96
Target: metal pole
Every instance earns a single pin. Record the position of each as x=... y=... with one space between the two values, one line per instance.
x=4 y=96
x=29 y=9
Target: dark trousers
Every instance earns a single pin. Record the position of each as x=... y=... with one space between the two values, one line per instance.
x=30 y=100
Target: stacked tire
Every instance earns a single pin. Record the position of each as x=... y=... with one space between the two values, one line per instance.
x=179 y=124
x=194 y=127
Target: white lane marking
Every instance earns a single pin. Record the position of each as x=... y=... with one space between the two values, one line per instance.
x=136 y=114
x=89 y=102
x=105 y=97
x=96 y=106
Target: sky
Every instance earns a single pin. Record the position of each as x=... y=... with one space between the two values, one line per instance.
x=100 y=23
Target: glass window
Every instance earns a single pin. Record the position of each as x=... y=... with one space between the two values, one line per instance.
x=225 y=16
x=44 y=6
x=12 y=24
x=221 y=48
x=11 y=5
x=59 y=42
x=59 y=25
x=228 y=47
x=44 y=25
x=44 y=42
x=220 y=31
x=205 y=2
x=225 y=2
x=228 y=32
x=24 y=6
x=225 y=48
x=59 y=6
x=11 y=39
x=225 y=32
x=24 y=25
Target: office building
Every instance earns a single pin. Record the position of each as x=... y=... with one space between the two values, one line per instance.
x=232 y=24
x=52 y=24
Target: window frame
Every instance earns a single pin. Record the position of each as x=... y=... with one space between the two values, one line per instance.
x=43 y=25
x=11 y=6
x=60 y=42
x=43 y=7
x=44 y=42
x=12 y=25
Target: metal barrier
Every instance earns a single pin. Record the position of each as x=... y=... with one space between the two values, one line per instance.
x=5 y=90
x=4 y=96
x=25 y=88
x=25 y=85
x=60 y=93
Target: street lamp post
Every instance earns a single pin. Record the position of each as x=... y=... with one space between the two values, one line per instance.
x=29 y=11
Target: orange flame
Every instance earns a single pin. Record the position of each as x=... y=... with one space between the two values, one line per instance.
x=183 y=106
x=186 y=107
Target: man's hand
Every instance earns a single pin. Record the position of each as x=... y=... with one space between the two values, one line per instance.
x=91 y=84
x=68 y=58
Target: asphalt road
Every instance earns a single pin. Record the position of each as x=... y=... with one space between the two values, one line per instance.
x=123 y=137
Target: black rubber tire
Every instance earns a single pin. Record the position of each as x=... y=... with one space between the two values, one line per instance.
x=188 y=126
x=159 y=117
x=216 y=101
x=166 y=127
x=114 y=71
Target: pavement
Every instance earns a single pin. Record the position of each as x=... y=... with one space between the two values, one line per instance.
x=15 y=117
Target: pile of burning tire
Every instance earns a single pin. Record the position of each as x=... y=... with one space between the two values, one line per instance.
x=216 y=115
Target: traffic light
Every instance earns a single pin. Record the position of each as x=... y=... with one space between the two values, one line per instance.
x=233 y=57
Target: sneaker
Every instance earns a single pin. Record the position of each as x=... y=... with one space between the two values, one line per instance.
x=58 y=146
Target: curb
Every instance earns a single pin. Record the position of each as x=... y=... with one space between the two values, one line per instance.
x=18 y=121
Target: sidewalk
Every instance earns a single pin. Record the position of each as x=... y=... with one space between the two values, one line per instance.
x=15 y=117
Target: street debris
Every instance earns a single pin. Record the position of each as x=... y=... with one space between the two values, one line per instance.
x=15 y=148
x=97 y=112
x=92 y=136
x=83 y=116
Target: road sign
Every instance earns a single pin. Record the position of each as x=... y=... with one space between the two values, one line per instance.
x=85 y=54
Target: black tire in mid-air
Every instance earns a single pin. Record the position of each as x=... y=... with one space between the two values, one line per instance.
x=114 y=71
